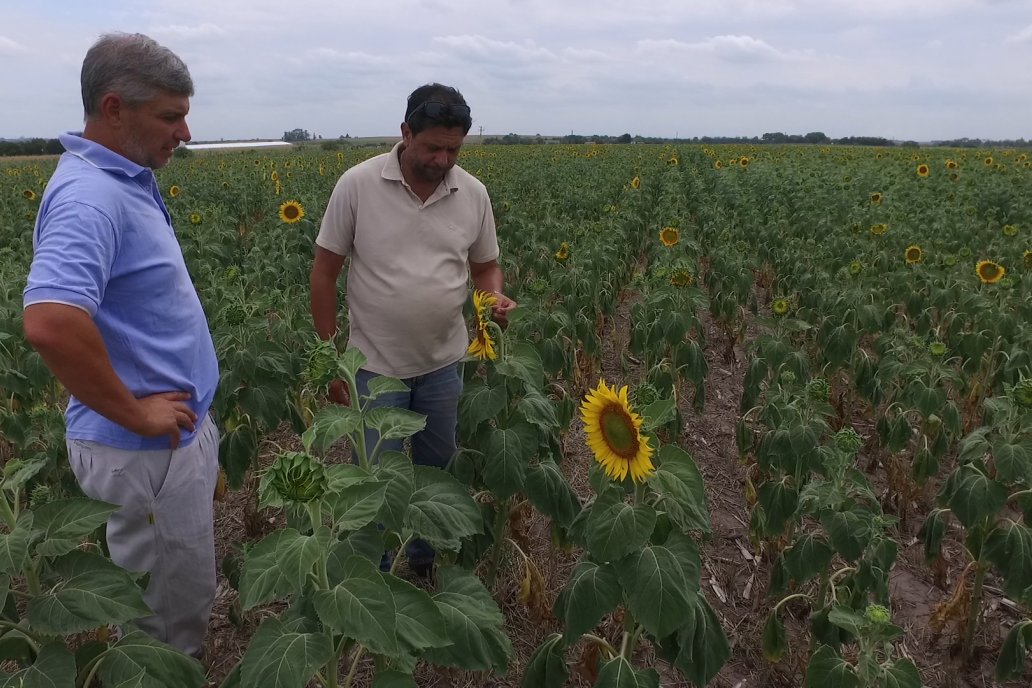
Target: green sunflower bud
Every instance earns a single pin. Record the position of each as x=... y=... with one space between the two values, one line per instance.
x=297 y=477
x=848 y=440
x=1021 y=393
x=321 y=364
x=937 y=349
x=787 y=377
x=877 y=614
x=818 y=389
x=41 y=494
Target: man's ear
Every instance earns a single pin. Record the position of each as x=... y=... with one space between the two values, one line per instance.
x=406 y=132
x=112 y=108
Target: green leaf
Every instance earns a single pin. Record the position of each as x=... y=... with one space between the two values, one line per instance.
x=775 y=639
x=393 y=679
x=826 y=668
x=262 y=580
x=505 y=463
x=932 y=532
x=357 y=505
x=547 y=667
x=95 y=592
x=684 y=495
x=296 y=554
x=660 y=582
x=473 y=623
x=366 y=543
x=614 y=528
x=382 y=384
x=850 y=531
x=393 y=423
x=618 y=673
x=14 y=546
x=901 y=674
x=397 y=472
x=975 y=496
x=703 y=646
x=974 y=446
x=23 y=471
x=237 y=450
x=161 y=664
x=278 y=657
x=350 y=362
x=479 y=402
x=778 y=501
x=523 y=362
x=420 y=622
x=1013 y=462
x=550 y=493
x=807 y=557
x=657 y=414
x=1014 y=653
x=538 y=410
x=441 y=510
x=331 y=423
x=71 y=519
x=361 y=607
x=1009 y=548
x=592 y=591
x=343 y=475
x=54 y=668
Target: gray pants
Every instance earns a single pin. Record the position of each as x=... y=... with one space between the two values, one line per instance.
x=165 y=526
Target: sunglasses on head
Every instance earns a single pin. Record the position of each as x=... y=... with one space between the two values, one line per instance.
x=441 y=112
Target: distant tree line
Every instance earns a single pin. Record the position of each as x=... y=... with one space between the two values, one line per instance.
x=31 y=147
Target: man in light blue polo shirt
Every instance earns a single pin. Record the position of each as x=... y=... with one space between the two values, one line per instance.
x=112 y=310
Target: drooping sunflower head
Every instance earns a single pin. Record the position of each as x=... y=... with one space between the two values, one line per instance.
x=291 y=212
x=297 y=478
x=989 y=272
x=196 y=218
x=670 y=236
x=613 y=433
x=563 y=252
x=482 y=346
x=682 y=278
x=922 y=170
x=636 y=183
x=913 y=254
x=483 y=302
x=29 y=194
x=879 y=229
x=876 y=198
x=274 y=176
x=780 y=306
x=673 y=160
x=174 y=191
x=1010 y=230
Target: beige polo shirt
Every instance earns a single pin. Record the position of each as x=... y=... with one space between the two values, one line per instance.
x=409 y=262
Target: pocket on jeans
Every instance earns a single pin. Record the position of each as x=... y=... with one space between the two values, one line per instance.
x=80 y=458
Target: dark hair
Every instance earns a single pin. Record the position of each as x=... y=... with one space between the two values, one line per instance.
x=135 y=67
x=417 y=118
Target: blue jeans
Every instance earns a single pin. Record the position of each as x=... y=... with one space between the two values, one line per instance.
x=435 y=395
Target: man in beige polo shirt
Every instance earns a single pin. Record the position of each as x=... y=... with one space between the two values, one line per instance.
x=417 y=228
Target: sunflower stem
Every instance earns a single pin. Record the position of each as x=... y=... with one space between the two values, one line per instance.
x=501 y=518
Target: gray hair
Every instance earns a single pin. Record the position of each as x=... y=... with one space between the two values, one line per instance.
x=135 y=67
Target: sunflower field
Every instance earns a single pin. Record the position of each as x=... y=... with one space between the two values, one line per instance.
x=763 y=416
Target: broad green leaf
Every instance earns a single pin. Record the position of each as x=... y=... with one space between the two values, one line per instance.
x=684 y=495
x=366 y=543
x=71 y=519
x=56 y=548
x=296 y=554
x=479 y=402
x=614 y=528
x=420 y=622
x=550 y=493
x=350 y=362
x=522 y=361
x=703 y=646
x=1009 y=548
x=659 y=588
x=901 y=674
x=14 y=547
x=974 y=446
x=441 y=510
x=393 y=679
x=657 y=414
x=847 y=619
x=1014 y=652
x=547 y=666
x=826 y=669
x=16 y=474
x=331 y=423
x=357 y=505
x=397 y=473
x=362 y=607
x=618 y=673
x=591 y=592
x=473 y=623
x=505 y=462
x=278 y=657
x=237 y=451
x=778 y=501
x=343 y=475
x=95 y=592
x=850 y=531
x=538 y=410
x=1013 y=461
x=161 y=664
x=382 y=384
x=807 y=557
x=262 y=580
x=54 y=668
x=975 y=496
x=932 y=532
x=775 y=639
x=393 y=423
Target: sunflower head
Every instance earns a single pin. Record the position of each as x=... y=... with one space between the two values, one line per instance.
x=879 y=229
x=937 y=349
x=988 y=161
x=673 y=160
x=717 y=165
x=964 y=252
x=682 y=278
x=174 y=191
x=613 y=433
x=563 y=252
x=989 y=272
x=780 y=306
x=855 y=268
x=876 y=198
x=949 y=260
x=196 y=218
x=951 y=164
x=482 y=346
x=483 y=302
x=669 y=236
x=291 y=212
x=848 y=440
x=29 y=194
x=1010 y=230
x=1021 y=393
x=297 y=478
x=743 y=161
x=922 y=170
x=636 y=183
x=274 y=176
x=913 y=254
x=1028 y=260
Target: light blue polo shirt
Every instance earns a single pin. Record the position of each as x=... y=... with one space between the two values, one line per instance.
x=104 y=243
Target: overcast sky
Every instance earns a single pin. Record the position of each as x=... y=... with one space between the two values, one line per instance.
x=908 y=69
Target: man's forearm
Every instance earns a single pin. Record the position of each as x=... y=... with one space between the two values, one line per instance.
x=488 y=279
x=324 y=306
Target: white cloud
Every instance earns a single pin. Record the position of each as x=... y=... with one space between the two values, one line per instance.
x=179 y=31
x=9 y=47
x=1023 y=36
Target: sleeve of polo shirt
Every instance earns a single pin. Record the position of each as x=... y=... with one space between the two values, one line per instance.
x=485 y=247
x=75 y=249
x=337 y=231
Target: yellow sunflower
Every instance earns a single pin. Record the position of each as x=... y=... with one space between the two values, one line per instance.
x=989 y=272
x=670 y=236
x=988 y=161
x=29 y=194
x=1010 y=230
x=780 y=306
x=922 y=170
x=291 y=212
x=173 y=191
x=743 y=161
x=636 y=183
x=673 y=160
x=682 y=278
x=913 y=254
x=951 y=164
x=482 y=346
x=613 y=432
x=196 y=218
x=563 y=253
x=879 y=229
x=855 y=268
x=876 y=198
x=717 y=165
x=274 y=176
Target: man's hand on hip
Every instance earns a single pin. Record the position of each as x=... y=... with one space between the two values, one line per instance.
x=164 y=414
